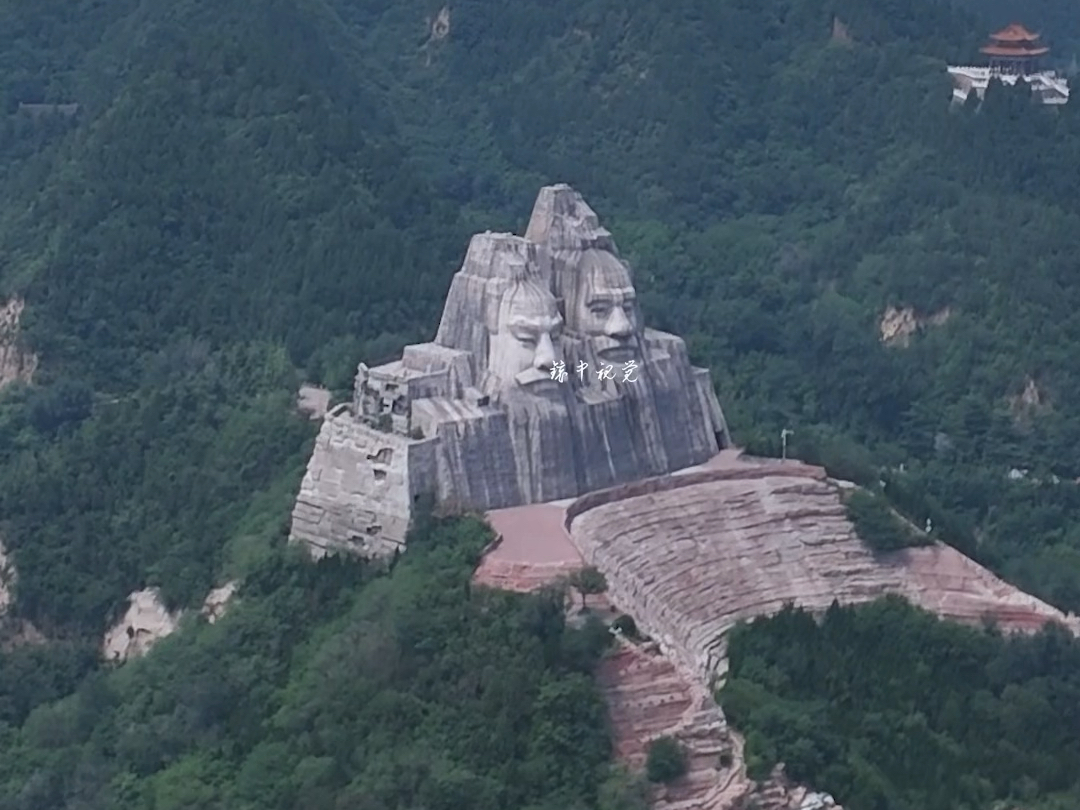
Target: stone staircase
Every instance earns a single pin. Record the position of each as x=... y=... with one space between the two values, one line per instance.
x=690 y=555
x=649 y=697
x=691 y=561
x=522 y=577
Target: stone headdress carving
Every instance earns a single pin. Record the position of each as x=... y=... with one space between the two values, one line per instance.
x=495 y=263
x=594 y=285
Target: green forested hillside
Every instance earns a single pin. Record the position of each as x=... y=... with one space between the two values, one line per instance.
x=228 y=204
x=330 y=687
x=256 y=193
x=888 y=707
x=307 y=176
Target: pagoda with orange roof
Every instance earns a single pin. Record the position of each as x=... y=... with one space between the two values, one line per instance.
x=1015 y=51
x=1014 y=54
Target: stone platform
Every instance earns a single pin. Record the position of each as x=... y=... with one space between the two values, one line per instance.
x=533 y=548
x=691 y=554
x=648 y=697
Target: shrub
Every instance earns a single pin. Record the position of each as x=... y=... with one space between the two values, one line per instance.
x=879 y=526
x=840 y=456
x=666 y=760
x=626 y=625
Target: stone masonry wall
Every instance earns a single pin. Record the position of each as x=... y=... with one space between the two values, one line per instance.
x=359 y=488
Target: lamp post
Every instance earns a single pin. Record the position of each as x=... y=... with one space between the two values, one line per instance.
x=783 y=442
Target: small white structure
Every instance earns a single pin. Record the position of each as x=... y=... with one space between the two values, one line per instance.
x=1047 y=85
x=1014 y=54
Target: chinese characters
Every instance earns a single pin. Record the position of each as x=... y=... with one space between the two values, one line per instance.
x=605 y=371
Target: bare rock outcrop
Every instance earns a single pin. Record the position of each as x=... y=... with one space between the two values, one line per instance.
x=690 y=554
x=7 y=579
x=1030 y=402
x=691 y=557
x=146 y=622
x=313 y=401
x=217 y=601
x=778 y=792
x=14 y=630
x=649 y=697
x=840 y=33
x=942 y=580
x=898 y=325
x=440 y=26
x=17 y=364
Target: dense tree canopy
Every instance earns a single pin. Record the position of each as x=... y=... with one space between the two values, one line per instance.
x=887 y=707
x=305 y=179
x=328 y=685
x=254 y=193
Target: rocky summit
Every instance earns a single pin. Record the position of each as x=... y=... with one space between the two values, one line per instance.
x=542 y=383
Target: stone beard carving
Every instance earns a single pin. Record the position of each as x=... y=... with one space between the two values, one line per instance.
x=524 y=346
x=477 y=417
x=603 y=311
x=526 y=341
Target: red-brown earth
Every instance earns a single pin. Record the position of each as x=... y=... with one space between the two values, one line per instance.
x=691 y=554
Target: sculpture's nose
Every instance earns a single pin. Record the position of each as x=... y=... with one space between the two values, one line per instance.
x=618 y=325
x=544 y=358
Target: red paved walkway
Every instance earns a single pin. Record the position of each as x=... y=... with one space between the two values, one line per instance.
x=535 y=548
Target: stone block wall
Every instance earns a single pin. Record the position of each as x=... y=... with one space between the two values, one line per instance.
x=360 y=485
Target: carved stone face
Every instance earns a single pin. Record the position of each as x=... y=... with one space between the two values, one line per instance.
x=606 y=309
x=527 y=342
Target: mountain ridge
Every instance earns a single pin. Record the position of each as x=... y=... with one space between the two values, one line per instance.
x=249 y=197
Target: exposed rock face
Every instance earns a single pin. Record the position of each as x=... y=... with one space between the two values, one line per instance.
x=840 y=32
x=217 y=601
x=146 y=622
x=313 y=401
x=778 y=792
x=1029 y=403
x=648 y=697
x=691 y=555
x=7 y=579
x=941 y=579
x=440 y=26
x=542 y=383
x=898 y=325
x=14 y=631
x=16 y=363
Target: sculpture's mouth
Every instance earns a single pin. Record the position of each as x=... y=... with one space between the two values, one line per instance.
x=619 y=353
x=535 y=380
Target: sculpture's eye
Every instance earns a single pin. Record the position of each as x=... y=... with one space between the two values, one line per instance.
x=599 y=310
x=527 y=339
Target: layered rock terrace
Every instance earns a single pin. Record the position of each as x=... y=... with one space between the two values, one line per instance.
x=690 y=556
x=648 y=697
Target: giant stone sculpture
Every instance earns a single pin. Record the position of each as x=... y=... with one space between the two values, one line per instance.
x=494 y=412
